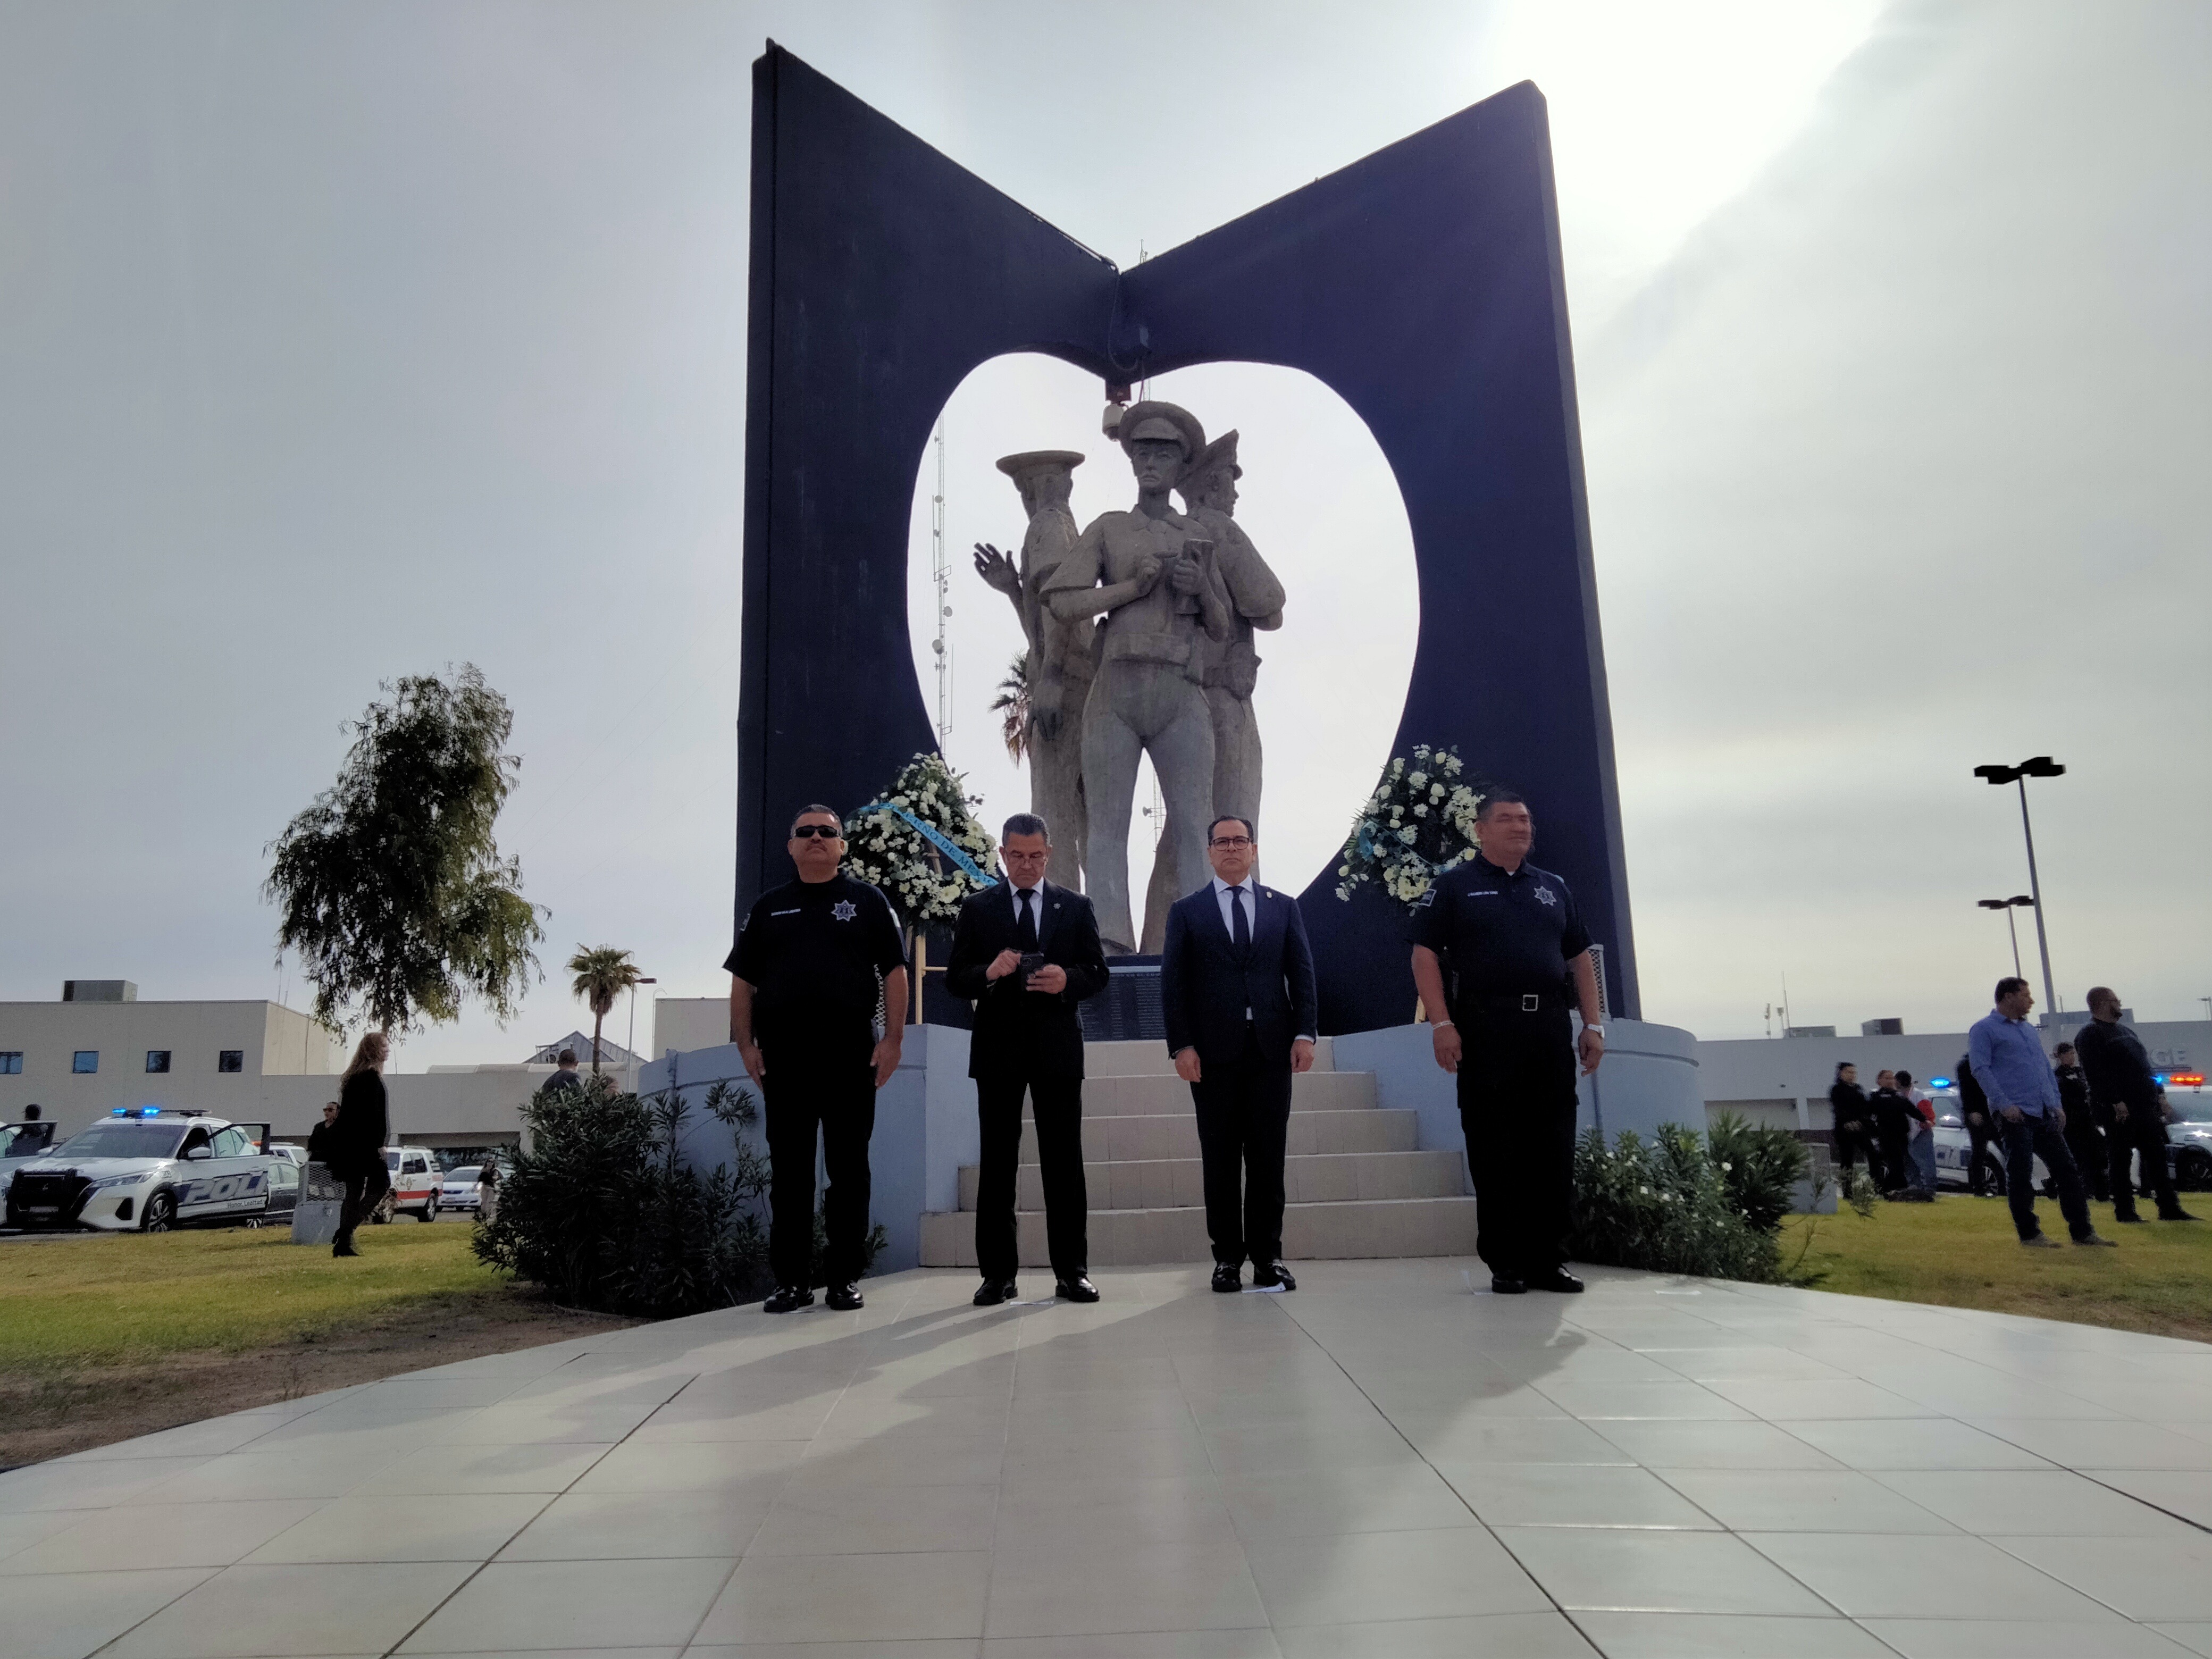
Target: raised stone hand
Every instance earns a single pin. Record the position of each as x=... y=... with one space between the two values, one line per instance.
x=1148 y=575
x=1188 y=576
x=997 y=569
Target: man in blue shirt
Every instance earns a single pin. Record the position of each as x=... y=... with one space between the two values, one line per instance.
x=2023 y=1094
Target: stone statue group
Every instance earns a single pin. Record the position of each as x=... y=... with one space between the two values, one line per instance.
x=1140 y=631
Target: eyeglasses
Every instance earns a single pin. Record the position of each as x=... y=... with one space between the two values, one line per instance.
x=827 y=831
x=1231 y=840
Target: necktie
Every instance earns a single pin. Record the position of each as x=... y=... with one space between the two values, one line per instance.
x=1240 y=933
x=1026 y=933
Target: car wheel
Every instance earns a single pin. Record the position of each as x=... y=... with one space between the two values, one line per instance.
x=160 y=1213
x=2193 y=1170
x=429 y=1211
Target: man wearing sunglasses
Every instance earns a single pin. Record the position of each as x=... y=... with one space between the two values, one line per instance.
x=1238 y=994
x=817 y=964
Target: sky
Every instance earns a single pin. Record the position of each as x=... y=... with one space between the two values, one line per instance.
x=338 y=342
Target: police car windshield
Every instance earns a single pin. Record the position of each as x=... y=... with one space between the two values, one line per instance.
x=2190 y=1109
x=119 y=1139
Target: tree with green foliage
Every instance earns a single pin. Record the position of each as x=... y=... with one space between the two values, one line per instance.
x=391 y=886
x=602 y=975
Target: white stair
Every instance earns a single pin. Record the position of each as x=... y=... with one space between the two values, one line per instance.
x=1359 y=1184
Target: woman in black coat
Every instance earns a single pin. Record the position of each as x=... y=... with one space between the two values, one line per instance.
x=362 y=1127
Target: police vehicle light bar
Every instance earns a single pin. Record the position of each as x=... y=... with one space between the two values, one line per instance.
x=1939 y=1082
x=2186 y=1079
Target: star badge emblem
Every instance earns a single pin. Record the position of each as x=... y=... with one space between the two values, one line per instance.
x=1545 y=895
x=845 y=909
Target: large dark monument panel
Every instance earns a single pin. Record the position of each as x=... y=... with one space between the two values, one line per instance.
x=1423 y=284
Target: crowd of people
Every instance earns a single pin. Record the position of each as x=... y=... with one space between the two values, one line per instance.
x=2091 y=1111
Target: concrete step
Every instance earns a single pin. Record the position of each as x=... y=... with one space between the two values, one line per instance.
x=1151 y=1136
x=1135 y=1096
x=1152 y=1059
x=1122 y=1238
x=1321 y=1177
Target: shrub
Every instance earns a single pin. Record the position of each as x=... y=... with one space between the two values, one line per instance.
x=1760 y=1167
x=602 y=1211
x=1667 y=1205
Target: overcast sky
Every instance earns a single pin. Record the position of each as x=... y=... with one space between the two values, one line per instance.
x=343 y=341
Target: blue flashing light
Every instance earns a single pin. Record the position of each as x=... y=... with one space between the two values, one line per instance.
x=120 y=1111
x=1939 y=1082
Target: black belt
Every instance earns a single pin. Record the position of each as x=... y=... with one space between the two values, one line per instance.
x=1519 y=1002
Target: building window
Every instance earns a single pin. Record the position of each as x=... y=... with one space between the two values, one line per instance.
x=11 y=1063
x=87 y=1060
x=157 y=1060
x=230 y=1059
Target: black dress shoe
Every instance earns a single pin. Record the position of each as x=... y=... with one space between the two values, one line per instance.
x=1272 y=1275
x=344 y=1247
x=2130 y=1220
x=788 y=1298
x=1229 y=1277
x=845 y=1298
x=1557 y=1279
x=1077 y=1289
x=1506 y=1284
x=995 y=1290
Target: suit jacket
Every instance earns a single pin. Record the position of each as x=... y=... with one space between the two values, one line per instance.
x=1018 y=1031
x=1205 y=987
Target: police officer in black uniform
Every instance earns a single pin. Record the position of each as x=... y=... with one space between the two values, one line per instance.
x=814 y=962
x=1518 y=956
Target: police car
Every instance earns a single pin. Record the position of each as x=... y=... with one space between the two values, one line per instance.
x=2189 y=1137
x=148 y=1168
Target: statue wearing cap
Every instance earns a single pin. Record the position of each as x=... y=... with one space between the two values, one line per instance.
x=1059 y=653
x=1151 y=573
x=1253 y=597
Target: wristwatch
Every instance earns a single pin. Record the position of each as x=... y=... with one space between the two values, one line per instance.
x=1599 y=1030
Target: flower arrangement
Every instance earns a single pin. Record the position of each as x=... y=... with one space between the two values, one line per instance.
x=922 y=844
x=1418 y=824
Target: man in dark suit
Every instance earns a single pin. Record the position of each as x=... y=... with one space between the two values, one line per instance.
x=1025 y=953
x=1236 y=986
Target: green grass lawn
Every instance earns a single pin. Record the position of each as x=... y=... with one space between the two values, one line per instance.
x=133 y=1297
x=1961 y=1252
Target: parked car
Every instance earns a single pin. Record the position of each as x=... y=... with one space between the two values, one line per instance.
x=415 y=1182
x=459 y=1189
x=285 y=1149
x=2189 y=1137
x=148 y=1168
x=21 y=1142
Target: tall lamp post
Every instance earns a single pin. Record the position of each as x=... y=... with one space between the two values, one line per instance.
x=648 y=980
x=2039 y=766
x=2011 y=927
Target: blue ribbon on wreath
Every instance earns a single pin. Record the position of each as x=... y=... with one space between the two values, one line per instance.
x=1365 y=842
x=936 y=838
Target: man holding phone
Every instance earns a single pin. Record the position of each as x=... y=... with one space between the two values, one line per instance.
x=1026 y=953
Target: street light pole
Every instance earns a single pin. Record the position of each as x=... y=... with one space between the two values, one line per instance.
x=2011 y=927
x=632 y=1044
x=2039 y=766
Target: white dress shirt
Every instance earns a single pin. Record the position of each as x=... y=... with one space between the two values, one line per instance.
x=1250 y=901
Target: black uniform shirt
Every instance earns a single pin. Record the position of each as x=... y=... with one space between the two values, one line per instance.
x=812 y=952
x=2119 y=1070
x=1500 y=933
x=2073 y=1092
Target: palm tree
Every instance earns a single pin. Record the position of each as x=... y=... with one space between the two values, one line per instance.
x=1013 y=705
x=601 y=976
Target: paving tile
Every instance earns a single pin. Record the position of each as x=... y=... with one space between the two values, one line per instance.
x=848 y=1598
x=294 y=1611
x=1372 y=1577
x=2194 y=1638
x=150 y=1535
x=209 y=1439
x=19 y=1532
x=1391 y=1498
x=287 y=1474
x=1714 y=1446
x=744 y=1470
x=640 y=1526
x=2090 y=1444
x=1803 y=1500
x=68 y=1615
x=1793 y=1400
x=385 y=1527
x=950 y=1648
x=2030 y=1502
x=1087 y=1517
x=1741 y=1635
x=2185 y=1493
x=1513 y=1440
x=1572 y=1495
x=1996 y=1638
x=1914 y=1443
x=1138 y=1644
x=1680 y=1399
x=74 y=1485
x=440 y=1470
x=877 y=1520
x=1522 y=1635
x=2144 y=1578
x=1923 y=1578
x=1630 y=1572
x=1364 y=1440
x=531 y=1605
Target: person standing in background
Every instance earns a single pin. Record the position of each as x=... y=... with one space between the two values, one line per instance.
x=2084 y=1136
x=363 y=1127
x=1985 y=1172
x=322 y=1139
x=1891 y=1111
x=2119 y=1073
x=1854 y=1120
x=2008 y=1058
x=1920 y=1143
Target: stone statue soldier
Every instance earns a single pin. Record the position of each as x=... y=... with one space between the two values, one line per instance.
x=1060 y=663
x=1148 y=571
x=1255 y=598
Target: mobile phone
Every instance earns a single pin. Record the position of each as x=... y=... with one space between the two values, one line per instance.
x=1032 y=961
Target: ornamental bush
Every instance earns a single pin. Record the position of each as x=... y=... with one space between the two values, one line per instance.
x=1760 y=1165
x=1677 y=1205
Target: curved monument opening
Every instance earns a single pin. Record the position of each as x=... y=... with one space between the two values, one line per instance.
x=1316 y=498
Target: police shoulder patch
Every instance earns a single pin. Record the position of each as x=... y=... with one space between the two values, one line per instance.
x=1425 y=900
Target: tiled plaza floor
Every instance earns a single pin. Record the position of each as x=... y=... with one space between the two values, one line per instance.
x=1380 y=1465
